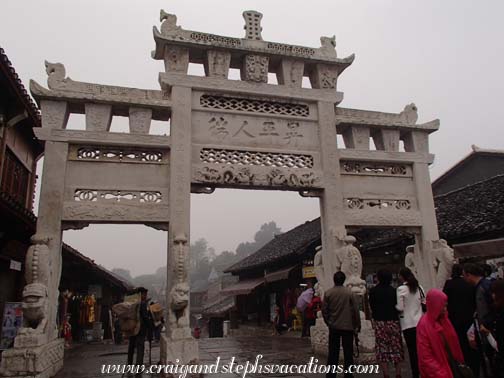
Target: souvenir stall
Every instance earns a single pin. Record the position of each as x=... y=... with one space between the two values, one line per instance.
x=87 y=293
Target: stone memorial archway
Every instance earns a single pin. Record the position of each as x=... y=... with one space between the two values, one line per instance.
x=224 y=134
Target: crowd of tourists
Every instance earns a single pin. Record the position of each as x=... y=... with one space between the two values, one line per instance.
x=454 y=332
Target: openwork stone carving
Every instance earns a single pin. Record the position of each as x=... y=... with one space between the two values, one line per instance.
x=254 y=106
x=90 y=195
x=378 y=169
x=253 y=25
x=216 y=40
x=93 y=153
x=235 y=175
x=255 y=68
x=264 y=159
x=360 y=204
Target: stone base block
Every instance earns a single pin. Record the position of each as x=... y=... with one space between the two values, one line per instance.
x=179 y=352
x=33 y=362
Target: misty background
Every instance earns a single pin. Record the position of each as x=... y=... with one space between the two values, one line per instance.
x=447 y=57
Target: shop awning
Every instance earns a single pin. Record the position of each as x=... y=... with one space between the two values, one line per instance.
x=486 y=248
x=278 y=275
x=243 y=287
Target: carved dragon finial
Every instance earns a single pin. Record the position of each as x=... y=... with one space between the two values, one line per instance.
x=410 y=114
x=328 y=46
x=55 y=74
x=169 y=24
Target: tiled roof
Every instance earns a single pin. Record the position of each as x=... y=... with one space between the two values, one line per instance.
x=8 y=69
x=468 y=212
x=472 y=210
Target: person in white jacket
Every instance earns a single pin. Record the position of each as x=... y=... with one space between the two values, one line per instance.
x=409 y=304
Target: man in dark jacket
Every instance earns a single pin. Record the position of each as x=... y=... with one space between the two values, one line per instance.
x=341 y=314
x=461 y=307
x=138 y=341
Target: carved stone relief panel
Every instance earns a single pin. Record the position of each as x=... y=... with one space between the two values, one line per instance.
x=253 y=25
x=176 y=59
x=54 y=114
x=238 y=130
x=255 y=68
x=231 y=175
x=324 y=76
x=217 y=63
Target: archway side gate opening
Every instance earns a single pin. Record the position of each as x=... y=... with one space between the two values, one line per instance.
x=224 y=133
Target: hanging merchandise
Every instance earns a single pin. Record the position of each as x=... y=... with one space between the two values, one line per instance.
x=12 y=321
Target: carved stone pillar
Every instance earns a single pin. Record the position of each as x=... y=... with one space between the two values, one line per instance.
x=37 y=350
x=429 y=231
x=177 y=343
x=331 y=201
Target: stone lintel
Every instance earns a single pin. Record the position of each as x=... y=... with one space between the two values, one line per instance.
x=198 y=42
x=348 y=117
x=386 y=156
x=77 y=94
x=106 y=212
x=168 y=80
x=103 y=138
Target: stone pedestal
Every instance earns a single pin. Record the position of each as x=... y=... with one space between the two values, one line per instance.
x=33 y=362
x=178 y=352
x=320 y=338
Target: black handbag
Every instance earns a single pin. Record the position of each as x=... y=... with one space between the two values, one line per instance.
x=458 y=369
x=422 y=300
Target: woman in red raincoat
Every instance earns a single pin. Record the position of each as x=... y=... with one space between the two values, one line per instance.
x=434 y=334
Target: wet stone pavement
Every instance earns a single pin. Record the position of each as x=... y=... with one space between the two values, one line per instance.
x=86 y=360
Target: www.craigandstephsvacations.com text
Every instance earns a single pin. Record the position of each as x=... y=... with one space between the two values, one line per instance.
x=240 y=368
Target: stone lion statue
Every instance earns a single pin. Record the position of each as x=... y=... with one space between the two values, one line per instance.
x=35 y=301
x=179 y=300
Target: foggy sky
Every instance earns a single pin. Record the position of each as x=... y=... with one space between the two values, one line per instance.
x=446 y=56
